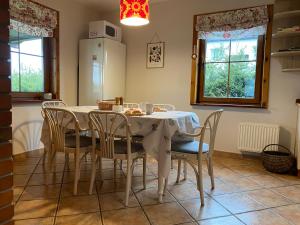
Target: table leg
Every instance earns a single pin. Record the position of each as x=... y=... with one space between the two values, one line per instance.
x=161 y=181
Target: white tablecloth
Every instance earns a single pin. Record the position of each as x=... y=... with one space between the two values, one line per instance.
x=158 y=130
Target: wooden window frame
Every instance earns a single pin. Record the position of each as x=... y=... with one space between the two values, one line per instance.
x=262 y=72
x=51 y=77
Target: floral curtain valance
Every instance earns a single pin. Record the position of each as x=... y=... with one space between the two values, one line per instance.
x=32 y=18
x=233 y=24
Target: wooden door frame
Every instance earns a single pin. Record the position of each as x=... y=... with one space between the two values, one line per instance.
x=6 y=161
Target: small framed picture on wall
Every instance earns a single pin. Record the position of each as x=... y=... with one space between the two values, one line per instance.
x=155 y=55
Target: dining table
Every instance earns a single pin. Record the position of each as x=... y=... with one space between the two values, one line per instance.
x=158 y=130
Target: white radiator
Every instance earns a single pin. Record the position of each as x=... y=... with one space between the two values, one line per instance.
x=253 y=137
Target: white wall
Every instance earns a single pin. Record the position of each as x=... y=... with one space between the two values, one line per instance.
x=173 y=21
x=27 y=119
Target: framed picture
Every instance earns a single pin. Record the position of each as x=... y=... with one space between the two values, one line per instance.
x=155 y=55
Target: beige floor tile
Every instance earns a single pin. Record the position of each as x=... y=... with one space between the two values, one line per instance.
x=45 y=179
x=245 y=184
x=290 y=212
x=35 y=209
x=39 y=221
x=238 y=202
x=290 y=192
x=268 y=181
x=211 y=209
x=21 y=180
x=25 y=161
x=78 y=204
x=228 y=220
x=268 y=198
x=167 y=214
x=17 y=193
x=109 y=186
x=291 y=180
x=85 y=176
x=82 y=219
x=248 y=170
x=221 y=188
x=116 y=200
x=82 y=189
x=150 y=197
x=23 y=169
x=58 y=168
x=128 y=216
x=184 y=191
x=108 y=174
x=40 y=192
x=264 y=217
x=137 y=183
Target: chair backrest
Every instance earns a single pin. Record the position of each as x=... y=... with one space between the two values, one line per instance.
x=60 y=121
x=210 y=125
x=167 y=107
x=131 y=105
x=47 y=104
x=109 y=126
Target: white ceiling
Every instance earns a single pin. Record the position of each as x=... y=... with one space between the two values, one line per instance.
x=107 y=5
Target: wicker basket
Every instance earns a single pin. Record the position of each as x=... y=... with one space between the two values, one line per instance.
x=105 y=105
x=277 y=158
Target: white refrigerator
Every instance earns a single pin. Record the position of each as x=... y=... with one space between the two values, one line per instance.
x=102 y=64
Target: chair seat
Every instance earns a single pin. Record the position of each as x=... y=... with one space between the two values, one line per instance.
x=121 y=147
x=70 y=141
x=189 y=147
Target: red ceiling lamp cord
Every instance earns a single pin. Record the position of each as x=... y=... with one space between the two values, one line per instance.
x=134 y=12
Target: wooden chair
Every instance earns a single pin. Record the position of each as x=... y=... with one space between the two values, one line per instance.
x=47 y=104
x=59 y=120
x=109 y=127
x=192 y=151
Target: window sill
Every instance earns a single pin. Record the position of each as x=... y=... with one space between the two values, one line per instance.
x=257 y=106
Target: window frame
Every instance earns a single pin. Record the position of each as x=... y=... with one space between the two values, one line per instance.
x=51 y=77
x=262 y=72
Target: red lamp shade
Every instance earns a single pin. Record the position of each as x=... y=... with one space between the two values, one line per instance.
x=134 y=12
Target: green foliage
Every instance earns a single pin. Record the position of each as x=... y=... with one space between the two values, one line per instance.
x=30 y=80
x=240 y=83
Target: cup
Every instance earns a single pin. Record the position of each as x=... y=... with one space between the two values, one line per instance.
x=47 y=96
x=149 y=108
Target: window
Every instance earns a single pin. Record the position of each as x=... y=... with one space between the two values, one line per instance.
x=230 y=67
x=34 y=51
x=27 y=63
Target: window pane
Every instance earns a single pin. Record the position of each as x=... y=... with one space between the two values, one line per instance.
x=216 y=80
x=242 y=80
x=15 y=72
x=32 y=73
x=217 y=51
x=31 y=45
x=244 y=50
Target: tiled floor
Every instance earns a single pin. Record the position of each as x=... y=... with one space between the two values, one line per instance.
x=245 y=194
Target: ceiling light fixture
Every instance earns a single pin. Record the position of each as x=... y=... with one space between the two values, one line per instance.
x=134 y=12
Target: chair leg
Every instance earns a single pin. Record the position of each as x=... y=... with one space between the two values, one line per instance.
x=144 y=170
x=77 y=172
x=93 y=176
x=172 y=164
x=178 y=171
x=185 y=170
x=67 y=160
x=200 y=181
x=128 y=181
x=211 y=172
x=100 y=167
x=121 y=164
x=166 y=185
x=115 y=169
